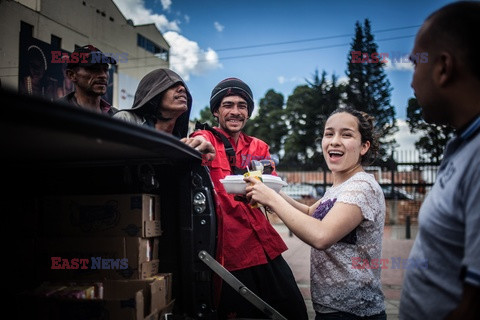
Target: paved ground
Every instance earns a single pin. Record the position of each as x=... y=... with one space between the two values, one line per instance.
x=394 y=245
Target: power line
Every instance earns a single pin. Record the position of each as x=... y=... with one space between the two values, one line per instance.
x=305 y=49
x=281 y=52
x=310 y=39
x=299 y=41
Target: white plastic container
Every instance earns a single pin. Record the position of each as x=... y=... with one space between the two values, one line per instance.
x=234 y=184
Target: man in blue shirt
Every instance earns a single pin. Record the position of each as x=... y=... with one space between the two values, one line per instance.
x=447 y=87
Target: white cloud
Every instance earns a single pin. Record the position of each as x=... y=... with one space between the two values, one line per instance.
x=399 y=64
x=166 y=4
x=256 y=104
x=187 y=18
x=135 y=10
x=282 y=79
x=218 y=26
x=187 y=57
x=404 y=138
x=343 y=80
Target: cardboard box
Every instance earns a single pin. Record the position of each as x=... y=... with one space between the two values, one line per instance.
x=155 y=290
x=123 y=299
x=134 y=215
x=97 y=258
x=125 y=303
x=168 y=285
x=160 y=315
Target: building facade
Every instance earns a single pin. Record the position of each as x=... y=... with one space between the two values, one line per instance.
x=33 y=29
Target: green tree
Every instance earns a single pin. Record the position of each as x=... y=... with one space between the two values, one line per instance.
x=306 y=111
x=368 y=88
x=206 y=116
x=269 y=124
x=435 y=137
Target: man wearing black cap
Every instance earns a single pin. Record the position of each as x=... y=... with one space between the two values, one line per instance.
x=247 y=246
x=89 y=73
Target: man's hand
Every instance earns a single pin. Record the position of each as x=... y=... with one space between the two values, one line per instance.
x=201 y=144
x=469 y=307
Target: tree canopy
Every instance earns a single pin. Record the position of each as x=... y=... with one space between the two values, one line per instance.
x=434 y=137
x=368 y=88
x=206 y=116
x=269 y=124
x=293 y=129
x=307 y=109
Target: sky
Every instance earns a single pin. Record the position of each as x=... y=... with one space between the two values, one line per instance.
x=276 y=44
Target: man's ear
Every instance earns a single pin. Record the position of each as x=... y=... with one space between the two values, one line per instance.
x=444 y=69
x=71 y=75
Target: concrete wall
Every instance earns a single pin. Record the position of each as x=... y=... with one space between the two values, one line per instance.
x=76 y=22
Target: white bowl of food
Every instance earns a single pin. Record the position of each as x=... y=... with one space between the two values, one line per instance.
x=234 y=184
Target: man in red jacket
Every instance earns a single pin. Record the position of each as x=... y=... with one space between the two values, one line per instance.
x=248 y=246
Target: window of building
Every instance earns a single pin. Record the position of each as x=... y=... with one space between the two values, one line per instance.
x=26 y=29
x=56 y=42
x=152 y=47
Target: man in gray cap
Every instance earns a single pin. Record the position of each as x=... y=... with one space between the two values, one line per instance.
x=247 y=244
x=89 y=74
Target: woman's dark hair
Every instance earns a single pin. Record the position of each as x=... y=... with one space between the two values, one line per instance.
x=367 y=131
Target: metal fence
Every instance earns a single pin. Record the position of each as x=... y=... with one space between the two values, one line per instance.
x=405 y=181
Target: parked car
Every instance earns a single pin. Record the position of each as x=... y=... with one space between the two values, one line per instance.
x=301 y=191
x=398 y=193
x=320 y=189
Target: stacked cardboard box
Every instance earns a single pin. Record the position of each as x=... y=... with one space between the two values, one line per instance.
x=117 y=234
x=121 y=299
x=112 y=239
x=124 y=215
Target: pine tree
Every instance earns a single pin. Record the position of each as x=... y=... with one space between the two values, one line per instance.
x=368 y=88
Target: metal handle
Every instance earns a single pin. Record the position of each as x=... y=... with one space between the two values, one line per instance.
x=239 y=286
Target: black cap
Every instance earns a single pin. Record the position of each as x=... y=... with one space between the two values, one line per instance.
x=89 y=55
x=231 y=86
